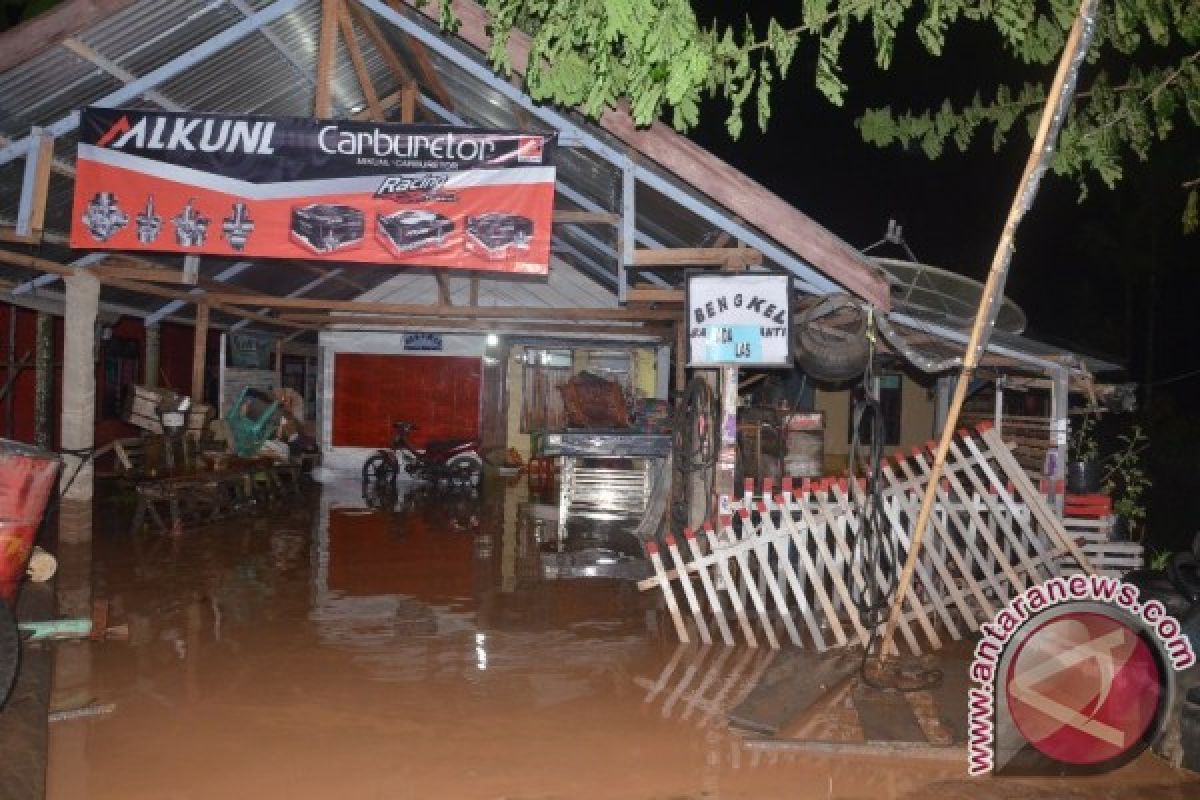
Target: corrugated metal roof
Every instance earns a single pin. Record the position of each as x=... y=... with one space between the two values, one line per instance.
x=270 y=71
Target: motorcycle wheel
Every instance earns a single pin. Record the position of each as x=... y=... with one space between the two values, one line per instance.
x=464 y=472
x=10 y=651
x=378 y=469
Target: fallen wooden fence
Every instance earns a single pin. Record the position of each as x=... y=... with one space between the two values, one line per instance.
x=786 y=567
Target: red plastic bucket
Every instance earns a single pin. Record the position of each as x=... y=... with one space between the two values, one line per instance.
x=27 y=476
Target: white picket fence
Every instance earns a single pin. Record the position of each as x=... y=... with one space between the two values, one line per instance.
x=786 y=566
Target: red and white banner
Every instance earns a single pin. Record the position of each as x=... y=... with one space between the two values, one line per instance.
x=332 y=190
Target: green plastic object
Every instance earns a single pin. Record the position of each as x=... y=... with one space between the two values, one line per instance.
x=250 y=430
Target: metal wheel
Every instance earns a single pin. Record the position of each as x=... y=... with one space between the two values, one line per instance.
x=378 y=469
x=465 y=472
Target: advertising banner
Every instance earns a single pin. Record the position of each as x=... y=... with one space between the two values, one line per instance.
x=741 y=319
x=313 y=189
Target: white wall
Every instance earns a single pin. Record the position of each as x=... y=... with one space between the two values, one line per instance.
x=342 y=462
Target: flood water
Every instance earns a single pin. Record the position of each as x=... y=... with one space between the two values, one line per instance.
x=329 y=649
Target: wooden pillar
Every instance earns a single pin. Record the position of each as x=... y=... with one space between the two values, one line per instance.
x=408 y=104
x=727 y=454
x=153 y=356
x=43 y=387
x=199 y=351
x=326 y=53
x=10 y=373
x=79 y=381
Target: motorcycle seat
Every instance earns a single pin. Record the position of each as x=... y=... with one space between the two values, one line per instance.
x=445 y=444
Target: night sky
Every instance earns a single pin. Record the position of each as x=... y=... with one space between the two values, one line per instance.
x=1114 y=276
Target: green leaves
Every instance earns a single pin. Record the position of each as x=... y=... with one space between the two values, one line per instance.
x=656 y=56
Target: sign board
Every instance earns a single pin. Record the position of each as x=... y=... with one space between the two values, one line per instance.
x=739 y=319
x=338 y=190
x=422 y=341
x=250 y=350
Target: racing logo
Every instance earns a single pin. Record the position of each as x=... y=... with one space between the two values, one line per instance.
x=415 y=188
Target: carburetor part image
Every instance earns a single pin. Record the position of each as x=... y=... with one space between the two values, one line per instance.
x=191 y=226
x=237 y=227
x=326 y=227
x=495 y=235
x=412 y=231
x=148 y=223
x=103 y=217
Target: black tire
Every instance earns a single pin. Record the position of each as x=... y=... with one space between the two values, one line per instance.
x=10 y=651
x=824 y=355
x=1184 y=574
x=379 y=469
x=464 y=471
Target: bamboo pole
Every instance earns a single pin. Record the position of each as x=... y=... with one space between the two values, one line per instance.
x=1057 y=102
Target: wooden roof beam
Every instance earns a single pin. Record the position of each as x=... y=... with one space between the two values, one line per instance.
x=483 y=312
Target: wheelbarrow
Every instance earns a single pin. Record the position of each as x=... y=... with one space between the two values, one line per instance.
x=27 y=476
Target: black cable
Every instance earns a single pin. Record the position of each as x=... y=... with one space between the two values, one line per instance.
x=694 y=442
x=874 y=548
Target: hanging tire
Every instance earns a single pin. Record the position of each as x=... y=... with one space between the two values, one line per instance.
x=10 y=651
x=1184 y=573
x=465 y=472
x=379 y=469
x=830 y=355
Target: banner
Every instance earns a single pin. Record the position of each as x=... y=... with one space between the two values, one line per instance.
x=331 y=190
x=739 y=319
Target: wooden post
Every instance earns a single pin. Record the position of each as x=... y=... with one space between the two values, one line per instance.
x=359 y=64
x=408 y=104
x=43 y=388
x=79 y=380
x=10 y=371
x=1058 y=99
x=153 y=353
x=199 y=351
x=727 y=455
x=326 y=49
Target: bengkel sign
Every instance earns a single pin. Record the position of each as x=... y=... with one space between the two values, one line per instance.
x=343 y=191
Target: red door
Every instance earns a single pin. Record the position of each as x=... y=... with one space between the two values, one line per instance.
x=439 y=394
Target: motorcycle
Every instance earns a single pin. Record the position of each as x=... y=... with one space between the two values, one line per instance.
x=454 y=463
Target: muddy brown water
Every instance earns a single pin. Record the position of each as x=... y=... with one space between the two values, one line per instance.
x=332 y=650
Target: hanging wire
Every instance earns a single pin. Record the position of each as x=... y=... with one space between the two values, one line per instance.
x=874 y=547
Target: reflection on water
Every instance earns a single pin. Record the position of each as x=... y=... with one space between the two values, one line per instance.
x=418 y=647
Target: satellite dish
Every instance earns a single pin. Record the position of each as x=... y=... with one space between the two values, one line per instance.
x=938 y=295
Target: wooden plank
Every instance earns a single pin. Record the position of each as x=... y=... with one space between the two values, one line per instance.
x=41 y=184
x=566 y=217
x=443 y=286
x=428 y=74
x=689 y=591
x=326 y=50
x=886 y=716
x=664 y=583
x=742 y=556
x=408 y=104
x=793 y=683
x=142 y=274
x=379 y=41
x=20 y=44
x=474 y=298
x=762 y=550
x=346 y=24
x=710 y=591
x=730 y=586
x=441 y=323
x=416 y=309
x=199 y=347
x=663 y=296
x=782 y=543
x=696 y=257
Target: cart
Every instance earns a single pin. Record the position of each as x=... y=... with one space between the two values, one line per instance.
x=27 y=475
